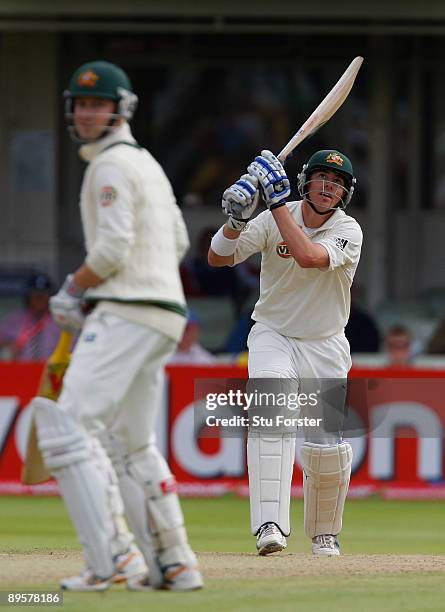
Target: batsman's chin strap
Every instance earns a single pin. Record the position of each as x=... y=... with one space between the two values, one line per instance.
x=326 y=212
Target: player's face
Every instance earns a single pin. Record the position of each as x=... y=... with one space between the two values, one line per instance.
x=398 y=347
x=325 y=189
x=91 y=115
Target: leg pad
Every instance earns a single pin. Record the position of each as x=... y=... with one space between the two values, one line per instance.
x=270 y=462
x=326 y=475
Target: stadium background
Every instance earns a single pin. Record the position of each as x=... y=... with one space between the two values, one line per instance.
x=217 y=82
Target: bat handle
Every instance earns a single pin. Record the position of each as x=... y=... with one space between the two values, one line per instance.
x=283 y=158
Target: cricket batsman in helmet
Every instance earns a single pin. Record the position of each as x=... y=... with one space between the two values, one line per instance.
x=310 y=251
x=137 y=314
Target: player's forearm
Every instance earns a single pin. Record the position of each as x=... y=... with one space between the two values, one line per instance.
x=230 y=233
x=306 y=253
x=84 y=277
x=217 y=260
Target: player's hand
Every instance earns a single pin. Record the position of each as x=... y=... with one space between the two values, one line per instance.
x=66 y=306
x=269 y=172
x=240 y=200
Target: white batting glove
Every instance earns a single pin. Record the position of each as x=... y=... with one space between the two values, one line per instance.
x=269 y=172
x=240 y=200
x=66 y=306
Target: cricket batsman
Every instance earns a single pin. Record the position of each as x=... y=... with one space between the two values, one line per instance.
x=135 y=238
x=310 y=251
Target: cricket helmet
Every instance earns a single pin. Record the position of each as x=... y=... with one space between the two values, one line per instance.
x=101 y=79
x=334 y=161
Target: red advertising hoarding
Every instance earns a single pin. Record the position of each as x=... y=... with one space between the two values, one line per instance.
x=399 y=454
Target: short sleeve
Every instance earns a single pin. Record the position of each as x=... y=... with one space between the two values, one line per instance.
x=253 y=239
x=343 y=244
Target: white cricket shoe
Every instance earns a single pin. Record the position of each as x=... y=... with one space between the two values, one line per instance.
x=176 y=577
x=128 y=565
x=270 y=539
x=325 y=545
x=86 y=581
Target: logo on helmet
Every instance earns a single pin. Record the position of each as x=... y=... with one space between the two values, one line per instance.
x=88 y=79
x=335 y=158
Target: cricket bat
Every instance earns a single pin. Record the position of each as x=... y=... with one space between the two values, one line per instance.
x=50 y=385
x=325 y=109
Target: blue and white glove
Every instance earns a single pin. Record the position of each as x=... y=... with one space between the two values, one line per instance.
x=240 y=200
x=66 y=306
x=272 y=178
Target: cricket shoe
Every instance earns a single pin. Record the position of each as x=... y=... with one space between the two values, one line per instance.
x=86 y=581
x=129 y=565
x=325 y=546
x=177 y=577
x=270 y=539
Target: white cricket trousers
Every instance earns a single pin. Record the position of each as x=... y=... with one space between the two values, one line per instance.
x=272 y=355
x=270 y=457
x=114 y=380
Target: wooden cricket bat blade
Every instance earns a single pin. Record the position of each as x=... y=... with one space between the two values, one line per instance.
x=50 y=385
x=34 y=470
x=325 y=109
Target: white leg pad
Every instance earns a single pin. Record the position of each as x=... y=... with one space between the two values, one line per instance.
x=120 y=537
x=67 y=453
x=326 y=476
x=133 y=497
x=270 y=462
x=165 y=518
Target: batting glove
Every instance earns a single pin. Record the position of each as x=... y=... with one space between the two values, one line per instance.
x=269 y=172
x=66 y=306
x=240 y=201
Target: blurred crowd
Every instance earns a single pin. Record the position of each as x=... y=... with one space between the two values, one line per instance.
x=28 y=332
x=257 y=108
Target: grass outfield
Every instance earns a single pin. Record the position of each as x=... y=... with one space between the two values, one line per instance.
x=393 y=559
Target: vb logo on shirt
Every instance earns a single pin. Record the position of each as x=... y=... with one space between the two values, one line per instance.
x=283 y=251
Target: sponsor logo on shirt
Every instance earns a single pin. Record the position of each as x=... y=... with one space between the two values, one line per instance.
x=340 y=243
x=107 y=195
x=89 y=337
x=282 y=250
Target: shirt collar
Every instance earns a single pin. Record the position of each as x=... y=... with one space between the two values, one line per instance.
x=89 y=151
x=326 y=225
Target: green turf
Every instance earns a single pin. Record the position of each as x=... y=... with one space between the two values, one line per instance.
x=370 y=526
x=413 y=593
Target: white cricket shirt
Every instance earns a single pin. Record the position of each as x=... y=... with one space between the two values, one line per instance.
x=135 y=235
x=306 y=303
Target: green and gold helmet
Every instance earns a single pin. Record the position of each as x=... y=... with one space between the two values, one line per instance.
x=101 y=79
x=328 y=159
